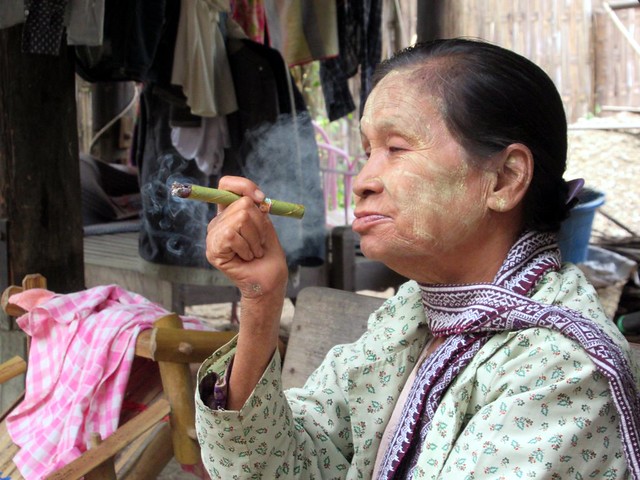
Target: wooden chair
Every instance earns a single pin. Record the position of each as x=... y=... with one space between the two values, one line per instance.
x=329 y=317
x=153 y=442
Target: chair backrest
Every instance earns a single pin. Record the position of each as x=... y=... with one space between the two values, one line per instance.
x=323 y=317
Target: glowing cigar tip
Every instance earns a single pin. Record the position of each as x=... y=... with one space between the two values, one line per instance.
x=181 y=190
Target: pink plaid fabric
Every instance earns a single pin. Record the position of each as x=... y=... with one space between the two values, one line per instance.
x=80 y=358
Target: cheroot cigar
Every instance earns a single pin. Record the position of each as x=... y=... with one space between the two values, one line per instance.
x=224 y=197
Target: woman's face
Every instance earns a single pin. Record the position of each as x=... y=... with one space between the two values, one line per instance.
x=420 y=204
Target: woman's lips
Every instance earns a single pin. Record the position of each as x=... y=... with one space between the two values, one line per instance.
x=364 y=220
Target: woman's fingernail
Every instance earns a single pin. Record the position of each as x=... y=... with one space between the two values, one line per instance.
x=260 y=196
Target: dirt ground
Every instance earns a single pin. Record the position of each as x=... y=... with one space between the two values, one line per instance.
x=609 y=161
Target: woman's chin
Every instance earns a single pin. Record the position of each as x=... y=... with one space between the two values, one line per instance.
x=372 y=249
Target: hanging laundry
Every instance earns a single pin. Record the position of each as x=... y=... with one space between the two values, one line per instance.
x=11 y=13
x=83 y=18
x=44 y=26
x=85 y=25
x=303 y=30
x=273 y=143
x=250 y=15
x=360 y=33
x=172 y=232
x=204 y=144
x=200 y=62
x=133 y=31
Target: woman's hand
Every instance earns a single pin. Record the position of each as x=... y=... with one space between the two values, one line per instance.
x=243 y=244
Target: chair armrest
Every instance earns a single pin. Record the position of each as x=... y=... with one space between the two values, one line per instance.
x=12 y=368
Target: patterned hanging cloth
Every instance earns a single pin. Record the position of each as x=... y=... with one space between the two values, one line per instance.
x=468 y=315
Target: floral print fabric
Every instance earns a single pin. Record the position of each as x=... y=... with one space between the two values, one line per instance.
x=530 y=404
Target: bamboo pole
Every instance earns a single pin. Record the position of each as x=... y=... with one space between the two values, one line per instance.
x=12 y=368
x=178 y=388
x=179 y=345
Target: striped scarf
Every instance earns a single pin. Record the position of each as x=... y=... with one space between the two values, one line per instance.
x=468 y=315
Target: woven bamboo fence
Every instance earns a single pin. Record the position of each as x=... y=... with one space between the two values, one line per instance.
x=617 y=60
x=575 y=42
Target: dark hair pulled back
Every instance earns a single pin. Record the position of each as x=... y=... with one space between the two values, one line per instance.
x=492 y=98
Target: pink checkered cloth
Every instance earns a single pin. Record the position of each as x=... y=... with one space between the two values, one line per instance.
x=82 y=348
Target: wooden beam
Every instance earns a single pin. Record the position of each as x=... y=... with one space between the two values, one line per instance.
x=179 y=345
x=114 y=443
x=622 y=4
x=12 y=368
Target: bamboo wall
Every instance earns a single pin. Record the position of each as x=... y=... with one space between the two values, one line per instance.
x=617 y=62
x=574 y=41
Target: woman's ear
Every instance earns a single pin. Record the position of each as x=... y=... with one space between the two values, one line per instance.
x=514 y=172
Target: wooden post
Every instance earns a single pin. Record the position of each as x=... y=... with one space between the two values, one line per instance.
x=40 y=214
x=179 y=390
x=39 y=169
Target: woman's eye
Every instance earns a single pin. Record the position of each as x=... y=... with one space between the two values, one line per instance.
x=395 y=149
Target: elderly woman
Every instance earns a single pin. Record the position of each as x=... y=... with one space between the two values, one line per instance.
x=494 y=361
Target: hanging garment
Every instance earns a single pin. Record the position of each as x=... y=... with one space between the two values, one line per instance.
x=173 y=231
x=200 y=63
x=360 y=34
x=82 y=349
x=11 y=13
x=85 y=22
x=205 y=144
x=83 y=18
x=251 y=17
x=44 y=26
x=273 y=144
x=303 y=30
x=133 y=31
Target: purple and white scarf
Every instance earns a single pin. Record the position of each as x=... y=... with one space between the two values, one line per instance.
x=468 y=315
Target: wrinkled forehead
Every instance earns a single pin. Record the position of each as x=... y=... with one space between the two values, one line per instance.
x=408 y=84
x=400 y=101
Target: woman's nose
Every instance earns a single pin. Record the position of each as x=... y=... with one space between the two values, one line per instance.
x=368 y=179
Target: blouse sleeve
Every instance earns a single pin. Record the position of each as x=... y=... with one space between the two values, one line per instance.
x=272 y=435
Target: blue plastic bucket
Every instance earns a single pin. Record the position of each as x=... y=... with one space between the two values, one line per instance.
x=576 y=230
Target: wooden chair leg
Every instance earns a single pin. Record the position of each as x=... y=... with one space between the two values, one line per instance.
x=155 y=457
x=179 y=390
x=104 y=471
